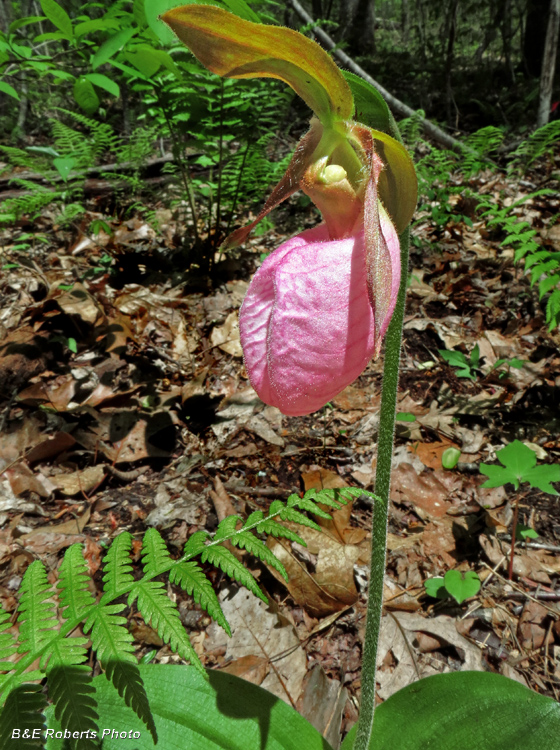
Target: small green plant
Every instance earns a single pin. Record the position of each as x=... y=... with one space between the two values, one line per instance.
x=450 y=458
x=466 y=366
x=453 y=584
x=519 y=464
x=542 y=262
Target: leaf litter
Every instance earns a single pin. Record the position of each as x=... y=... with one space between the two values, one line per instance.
x=124 y=404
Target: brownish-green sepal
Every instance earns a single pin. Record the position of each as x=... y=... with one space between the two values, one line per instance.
x=235 y=48
x=398 y=186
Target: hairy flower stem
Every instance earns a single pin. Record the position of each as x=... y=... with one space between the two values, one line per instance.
x=381 y=508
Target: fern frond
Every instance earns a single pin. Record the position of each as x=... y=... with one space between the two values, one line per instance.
x=8 y=645
x=196 y=544
x=158 y=610
x=117 y=567
x=73 y=582
x=70 y=689
x=272 y=528
x=155 y=554
x=223 y=559
x=113 y=644
x=306 y=503
x=37 y=619
x=255 y=547
x=226 y=528
x=291 y=514
x=191 y=578
x=23 y=711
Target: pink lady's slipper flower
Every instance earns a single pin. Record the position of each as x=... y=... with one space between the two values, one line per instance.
x=317 y=309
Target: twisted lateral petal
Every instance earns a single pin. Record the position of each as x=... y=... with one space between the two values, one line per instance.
x=306 y=324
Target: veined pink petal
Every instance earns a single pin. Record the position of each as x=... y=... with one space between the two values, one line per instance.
x=306 y=324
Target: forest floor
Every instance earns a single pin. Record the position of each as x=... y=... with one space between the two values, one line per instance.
x=124 y=404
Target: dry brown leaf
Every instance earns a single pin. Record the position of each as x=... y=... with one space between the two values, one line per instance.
x=328 y=587
x=424 y=491
x=257 y=631
x=322 y=702
x=79 y=482
x=430 y=453
x=226 y=336
x=251 y=668
x=79 y=302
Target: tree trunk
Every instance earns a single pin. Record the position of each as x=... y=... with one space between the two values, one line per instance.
x=5 y=15
x=548 y=63
x=360 y=31
x=535 y=35
x=451 y=23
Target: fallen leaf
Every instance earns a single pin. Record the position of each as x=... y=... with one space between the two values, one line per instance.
x=79 y=482
x=330 y=586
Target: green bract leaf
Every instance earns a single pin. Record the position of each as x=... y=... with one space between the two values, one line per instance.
x=463 y=711
x=191 y=712
x=235 y=48
x=370 y=107
x=519 y=465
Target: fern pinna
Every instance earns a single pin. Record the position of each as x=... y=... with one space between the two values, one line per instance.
x=52 y=641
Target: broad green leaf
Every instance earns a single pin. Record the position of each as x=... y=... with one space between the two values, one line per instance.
x=435 y=587
x=235 y=48
x=21 y=22
x=58 y=17
x=85 y=96
x=9 y=90
x=464 y=711
x=97 y=24
x=460 y=587
x=405 y=416
x=98 y=79
x=241 y=9
x=112 y=46
x=64 y=165
x=224 y=713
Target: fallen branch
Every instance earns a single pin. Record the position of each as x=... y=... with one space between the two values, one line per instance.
x=400 y=108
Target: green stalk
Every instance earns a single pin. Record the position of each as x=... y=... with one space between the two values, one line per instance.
x=381 y=509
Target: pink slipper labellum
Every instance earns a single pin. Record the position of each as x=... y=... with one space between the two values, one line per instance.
x=317 y=309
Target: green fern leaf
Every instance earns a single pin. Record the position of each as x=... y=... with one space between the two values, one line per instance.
x=253 y=520
x=158 y=610
x=37 y=619
x=113 y=644
x=70 y=689
x=155 y=555
x=75 y=597
x=195 y=544
x=8 y=645
x=116 y=565
x=290 y=514
x=190 y=577
x=222 y=558
x=255 y=547
x=547 y=284
x=23 y=711
x=270 y=527
x=306 y=503
x=226 y=528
